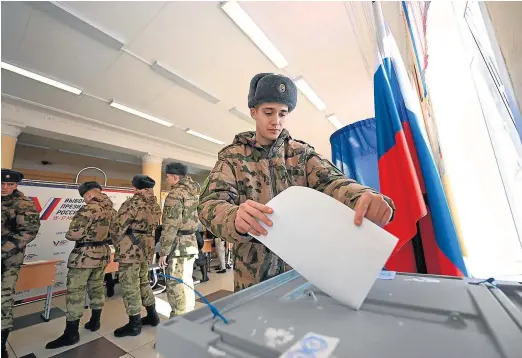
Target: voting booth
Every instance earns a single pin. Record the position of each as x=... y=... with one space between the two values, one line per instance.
x=404 y=315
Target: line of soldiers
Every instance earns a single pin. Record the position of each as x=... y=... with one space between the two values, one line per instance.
x=251 y=171
x=93 y=228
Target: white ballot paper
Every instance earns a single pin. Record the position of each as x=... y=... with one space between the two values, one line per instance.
x=316 y=235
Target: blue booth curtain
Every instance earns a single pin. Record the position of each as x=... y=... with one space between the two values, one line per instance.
x=354 y=152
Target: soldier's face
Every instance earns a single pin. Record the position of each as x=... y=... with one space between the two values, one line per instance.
x=270 y=119
x=90 y=194
x=172 y=179
x=8 y=188
x=87 y=196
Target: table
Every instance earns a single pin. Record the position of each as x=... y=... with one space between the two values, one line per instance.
x=37 y=275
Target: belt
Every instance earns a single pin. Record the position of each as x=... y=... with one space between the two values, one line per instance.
x=186 y=232
x=91 y=244
x=130 y=233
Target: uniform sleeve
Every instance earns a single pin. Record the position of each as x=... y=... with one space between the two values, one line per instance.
x=326 y=178
x=219 y=202
x=123 y=220
x=27 y=226
x=171 y=221
x=79 y=224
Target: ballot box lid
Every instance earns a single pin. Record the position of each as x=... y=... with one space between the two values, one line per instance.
x=409 y=316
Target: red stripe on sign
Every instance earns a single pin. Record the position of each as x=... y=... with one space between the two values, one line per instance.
x=51 y=208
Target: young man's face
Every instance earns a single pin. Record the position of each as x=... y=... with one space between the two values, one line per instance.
x=270 y=119
x=172 y=179
x=90 y=194
x=8 y=188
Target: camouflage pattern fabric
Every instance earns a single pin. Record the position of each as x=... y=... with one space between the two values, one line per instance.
x=9 y=278
x=91 y=224
x=135 y=287
x=139 y=212
x=180 y=215
x=20 y=225
x=178 y=293
x=245 y=170
x=78 y=279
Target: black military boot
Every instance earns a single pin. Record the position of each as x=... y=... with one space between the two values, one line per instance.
x=133 y=328
x=5 y=334
x=204 y=273
x=94 y=323
x=69 y=337
x=152 y=318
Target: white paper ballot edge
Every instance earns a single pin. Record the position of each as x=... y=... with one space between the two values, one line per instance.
x=316 y=235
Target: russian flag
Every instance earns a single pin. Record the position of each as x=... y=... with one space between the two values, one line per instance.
x=407 y=171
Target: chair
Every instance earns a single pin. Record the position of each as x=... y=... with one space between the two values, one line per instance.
x=154 y=269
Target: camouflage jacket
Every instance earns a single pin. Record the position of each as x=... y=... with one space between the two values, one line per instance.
x=180 y=220
x=91 y=224
x=20 y=225
x=245 y=170
x=133 y=230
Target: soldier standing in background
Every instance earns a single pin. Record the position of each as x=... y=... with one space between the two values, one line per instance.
x=261 y=164
x=133 y=235
x=20 y=225
x=178 y=243
x=89 y=229
x=220 y=250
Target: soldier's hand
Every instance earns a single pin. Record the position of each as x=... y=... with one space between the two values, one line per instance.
x=374 y=208
x=162 y=262
x=248 y=215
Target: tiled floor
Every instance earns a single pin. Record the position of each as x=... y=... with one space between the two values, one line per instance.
x=30 y=341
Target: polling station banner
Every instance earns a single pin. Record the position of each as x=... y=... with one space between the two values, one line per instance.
x=57 y=204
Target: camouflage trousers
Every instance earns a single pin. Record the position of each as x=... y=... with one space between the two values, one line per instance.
x=181 y=298
x=135 y=287
x=9 y=278
x=220 y=250
x=79 y=279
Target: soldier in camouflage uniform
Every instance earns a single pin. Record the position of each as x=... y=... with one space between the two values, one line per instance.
x=89 y=229
x=133 y=235
x=20 y=225
x=178 y=239
x=261 y=164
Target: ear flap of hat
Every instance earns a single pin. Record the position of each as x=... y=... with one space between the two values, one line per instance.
x=253 y=88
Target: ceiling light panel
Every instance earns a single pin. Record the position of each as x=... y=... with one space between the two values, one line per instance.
x=140 y=114
x=40 y=78
x=182 y=82
x=241 y=115
x=205 y=137
x=308 y=91
x=258 y=37
x=335 y=121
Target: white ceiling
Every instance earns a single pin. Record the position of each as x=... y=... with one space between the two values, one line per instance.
x=329 y=43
